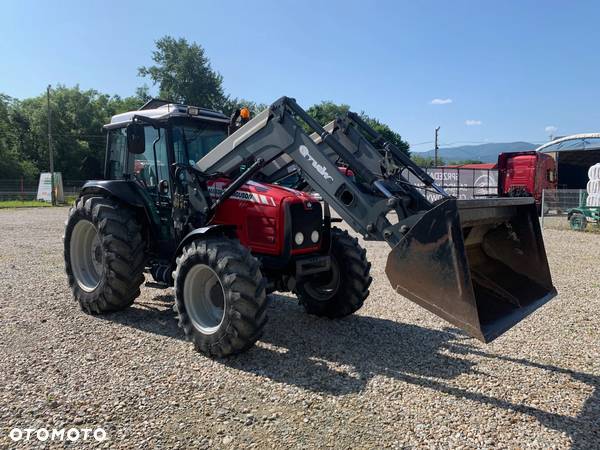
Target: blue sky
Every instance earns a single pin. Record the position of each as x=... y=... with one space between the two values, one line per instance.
x=501 y=71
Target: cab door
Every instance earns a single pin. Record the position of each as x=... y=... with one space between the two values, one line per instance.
x=151 y=171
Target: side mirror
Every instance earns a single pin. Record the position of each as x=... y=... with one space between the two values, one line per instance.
x=136 y=140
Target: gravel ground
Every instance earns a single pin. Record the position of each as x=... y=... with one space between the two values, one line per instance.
x=391 y=376
x=562 y=223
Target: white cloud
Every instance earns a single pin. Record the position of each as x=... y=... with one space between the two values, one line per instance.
x=440 y=101
x=551 y=129
x=471 y=122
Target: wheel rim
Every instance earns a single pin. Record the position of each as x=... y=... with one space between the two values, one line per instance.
x=577 y=222
x=87 y=257
x=324 y=287
x=204 y=298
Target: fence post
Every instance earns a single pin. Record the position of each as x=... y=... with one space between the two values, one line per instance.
x=543 y=200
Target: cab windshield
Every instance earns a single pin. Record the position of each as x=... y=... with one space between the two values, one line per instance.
x=191 y=142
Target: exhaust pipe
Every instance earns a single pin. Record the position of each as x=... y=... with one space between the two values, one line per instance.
x=479 y=264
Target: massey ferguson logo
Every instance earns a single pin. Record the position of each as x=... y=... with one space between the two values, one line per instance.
x=318 y=167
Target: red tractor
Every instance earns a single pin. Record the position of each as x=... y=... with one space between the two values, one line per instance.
x=196 y=200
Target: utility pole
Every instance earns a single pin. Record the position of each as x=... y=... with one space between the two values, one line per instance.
x=435 y=158
x=52 y=197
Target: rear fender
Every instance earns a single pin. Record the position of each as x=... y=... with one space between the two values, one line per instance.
x=128 y=193
x=120 y=189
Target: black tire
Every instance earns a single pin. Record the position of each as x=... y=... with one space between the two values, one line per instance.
x=347 y=295
x=578 y=221
x=120 y=254
x=242 y=297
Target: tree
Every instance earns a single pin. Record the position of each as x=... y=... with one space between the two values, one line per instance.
x=462 y=162
x=11 y=165
x=327 y=111
x=424 y=161
x=117 y=104
x=184 y=74
x=77 y=119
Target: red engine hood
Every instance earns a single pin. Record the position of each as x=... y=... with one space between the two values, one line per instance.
x=255 y=192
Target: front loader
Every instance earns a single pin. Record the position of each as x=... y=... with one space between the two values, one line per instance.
x=480 y=264
x=192 y=198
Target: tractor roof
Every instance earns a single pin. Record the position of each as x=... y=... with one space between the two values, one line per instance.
x=163 y=110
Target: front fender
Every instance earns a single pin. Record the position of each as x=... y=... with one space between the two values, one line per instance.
x=210 y=230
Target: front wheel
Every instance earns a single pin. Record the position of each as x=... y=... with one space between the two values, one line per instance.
x=220 y=296
x=343 y=289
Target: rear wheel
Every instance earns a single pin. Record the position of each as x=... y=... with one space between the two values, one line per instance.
x=104 y=254
x=220 y=296
x=578 y=221
x=343 y=289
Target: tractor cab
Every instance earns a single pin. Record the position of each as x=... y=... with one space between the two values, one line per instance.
x=172 y=133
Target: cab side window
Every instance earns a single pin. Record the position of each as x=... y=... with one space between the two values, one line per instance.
x=117 y=152
x=147 y=168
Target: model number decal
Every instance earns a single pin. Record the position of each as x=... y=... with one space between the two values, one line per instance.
x=217 y=189
x=318 y=167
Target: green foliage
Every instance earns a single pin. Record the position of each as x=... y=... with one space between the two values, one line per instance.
x=389 y=135
x=424 y=161
x=184 y=75
x=23 y=204
x=231 y=104
x=427 y=161
x=462 y=162
x=327 y=111
x=77 y=137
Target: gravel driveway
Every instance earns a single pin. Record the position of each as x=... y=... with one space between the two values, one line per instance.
x=393 y=375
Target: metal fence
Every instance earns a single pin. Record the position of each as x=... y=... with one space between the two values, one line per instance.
x=463 y=183
x=22 y=189
x=556 y=204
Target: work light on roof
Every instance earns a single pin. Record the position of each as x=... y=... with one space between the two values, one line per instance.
x=193 y=111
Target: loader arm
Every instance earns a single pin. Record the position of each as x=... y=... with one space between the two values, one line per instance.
x=276 y=135
x=479 y=264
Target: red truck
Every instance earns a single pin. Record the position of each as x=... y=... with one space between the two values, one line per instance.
x=526 y=174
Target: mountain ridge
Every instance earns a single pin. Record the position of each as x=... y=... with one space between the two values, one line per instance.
x=487 y=153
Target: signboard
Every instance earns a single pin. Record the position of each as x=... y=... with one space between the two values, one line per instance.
x=44 y=187
x=462 y=183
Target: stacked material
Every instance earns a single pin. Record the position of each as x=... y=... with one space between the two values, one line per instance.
x=593 y=186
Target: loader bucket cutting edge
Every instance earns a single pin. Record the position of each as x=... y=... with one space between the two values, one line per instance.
x=479 y=264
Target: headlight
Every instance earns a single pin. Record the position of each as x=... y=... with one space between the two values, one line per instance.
x=298 y=238
x=314 y=236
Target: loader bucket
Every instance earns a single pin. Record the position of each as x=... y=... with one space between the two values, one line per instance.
x=479 y=264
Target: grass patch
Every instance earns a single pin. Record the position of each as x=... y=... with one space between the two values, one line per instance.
x=70 y=200
x=23 y=204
